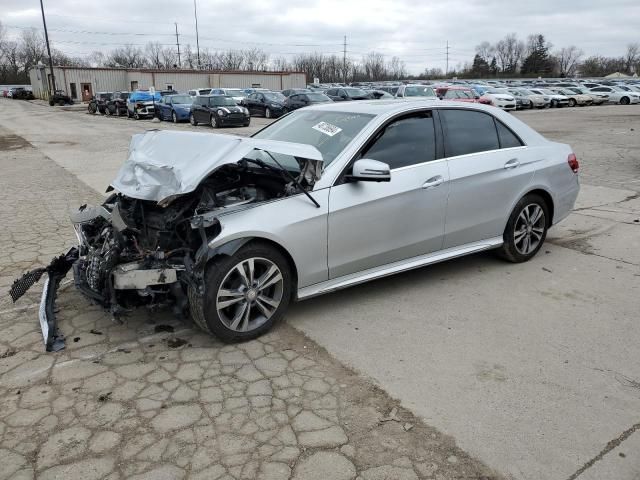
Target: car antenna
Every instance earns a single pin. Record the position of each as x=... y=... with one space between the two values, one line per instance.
x=292 y=178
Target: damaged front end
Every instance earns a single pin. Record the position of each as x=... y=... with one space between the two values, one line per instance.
x=148 y=244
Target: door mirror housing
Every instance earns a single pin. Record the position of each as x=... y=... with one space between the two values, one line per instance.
x=369 y=170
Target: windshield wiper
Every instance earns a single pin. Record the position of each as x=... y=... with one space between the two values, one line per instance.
x=283 y=170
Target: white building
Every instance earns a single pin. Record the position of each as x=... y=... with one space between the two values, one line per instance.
x=81 y=83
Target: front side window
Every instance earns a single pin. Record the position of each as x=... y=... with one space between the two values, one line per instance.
x=468 y=131
x=404 y=142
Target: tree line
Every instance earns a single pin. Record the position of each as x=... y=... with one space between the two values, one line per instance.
x=535 y=56
x=509 y=57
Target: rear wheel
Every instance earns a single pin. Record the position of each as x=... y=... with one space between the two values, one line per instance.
x=245 y=294
x=192 y=120
x=526 y=229
x=174 y=117
x=267 y=112
x=572 y=102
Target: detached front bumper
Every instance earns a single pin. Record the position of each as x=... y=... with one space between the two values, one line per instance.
x=54 y=273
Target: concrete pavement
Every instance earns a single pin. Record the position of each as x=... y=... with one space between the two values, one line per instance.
x=532 y=368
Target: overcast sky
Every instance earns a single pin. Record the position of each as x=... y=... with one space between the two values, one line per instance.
x=414 y=30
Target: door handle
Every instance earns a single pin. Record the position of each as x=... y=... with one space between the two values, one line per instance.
x=513 y=163
x=433 y=182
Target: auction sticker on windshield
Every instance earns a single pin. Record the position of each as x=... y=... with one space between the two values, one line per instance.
x=327 y=128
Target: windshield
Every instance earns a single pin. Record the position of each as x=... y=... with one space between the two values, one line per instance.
x=548 y=92
x=355 y=92
x=274 y=97
x=465 y=94
x=181 y=99
x=235 y=92
x=617 y=89
x=318 y=97
x=566 y=91
x=220 y=101
x=329 y=132
x=419 y=91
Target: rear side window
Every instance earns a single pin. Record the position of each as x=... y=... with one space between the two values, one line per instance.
x=508 y=139
x=468 y=131
x=406 y=141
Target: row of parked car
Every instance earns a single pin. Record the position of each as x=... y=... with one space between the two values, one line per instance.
x=234 y=107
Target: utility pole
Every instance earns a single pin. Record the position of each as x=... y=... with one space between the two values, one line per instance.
x=178 y=45
x=195 y=13
x=446 y=72
x=46 y=37
x=344 y=61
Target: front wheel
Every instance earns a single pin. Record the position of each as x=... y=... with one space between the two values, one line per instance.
x=174 y=117
x=136 y=115
x=245 y=294
x=572 y=102
x=625 y=101
x=526 y=229
x=192 y=120
x=214 y=122
x=267 y=112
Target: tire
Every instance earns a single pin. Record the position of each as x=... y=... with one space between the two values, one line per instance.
x=267 y=113
x=530 y=105
x=51 y=103
x=214 y=122
x=92 y=109
x=61 y=103
x=554 y=104
x=222 y=275
x=572 y=102
x=625 y=101
x=108 y=112
x=192 y=120
x=524 y=235
x=136 y=115
x=174 y=117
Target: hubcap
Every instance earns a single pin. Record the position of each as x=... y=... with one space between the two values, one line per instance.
x=249 y=294
x=529 y=229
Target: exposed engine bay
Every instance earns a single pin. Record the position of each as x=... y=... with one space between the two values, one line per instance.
x=133 y=251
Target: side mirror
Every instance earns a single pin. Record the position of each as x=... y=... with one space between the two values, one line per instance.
x=368 y=170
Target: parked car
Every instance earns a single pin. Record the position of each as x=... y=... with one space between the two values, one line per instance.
x=199 y=91
x=617 y=95
x=60 y=97
x=556 y=100
x=176 y=108
x=21 y=93
x=118 y=104
x=234 y=229
x=237 y=94
x=299 y=100
x=291 y=91
x=597 y=98
x=249 y=91
x=98 y=102
x=500 y=98
x=218 y=111
x=535 y=100
x=268 y=104
x=411 y=91
x=579 y=99
x=458 y=93
x=142 y=104
x=346 y=94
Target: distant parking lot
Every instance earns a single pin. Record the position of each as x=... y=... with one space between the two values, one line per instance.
x=531 y=369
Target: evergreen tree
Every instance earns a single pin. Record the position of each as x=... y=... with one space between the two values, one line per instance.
x=538 y=62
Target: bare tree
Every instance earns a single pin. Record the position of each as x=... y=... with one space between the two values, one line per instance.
x=632 y=57
x=568 y=59
x=486 y=51
x=128 y=56
x=154 y=53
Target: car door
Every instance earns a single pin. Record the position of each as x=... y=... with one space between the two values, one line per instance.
x=373 y=224
x=200 y=111
x=489 y=169
x=162 y=106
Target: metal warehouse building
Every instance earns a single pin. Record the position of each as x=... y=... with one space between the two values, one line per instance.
x=81 y=83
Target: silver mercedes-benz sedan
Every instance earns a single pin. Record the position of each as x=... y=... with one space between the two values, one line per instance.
x=230 y=230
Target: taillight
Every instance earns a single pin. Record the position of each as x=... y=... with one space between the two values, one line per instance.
x=573 y=162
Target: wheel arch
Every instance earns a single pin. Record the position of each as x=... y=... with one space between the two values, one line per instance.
x=546 y=196
x=231 y=247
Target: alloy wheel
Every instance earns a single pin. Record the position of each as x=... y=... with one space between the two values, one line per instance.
x=529 y=229
x=174 y=118
x=249 y=294
x=267 y=113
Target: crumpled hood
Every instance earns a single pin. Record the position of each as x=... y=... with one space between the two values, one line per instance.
x=165 y=163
